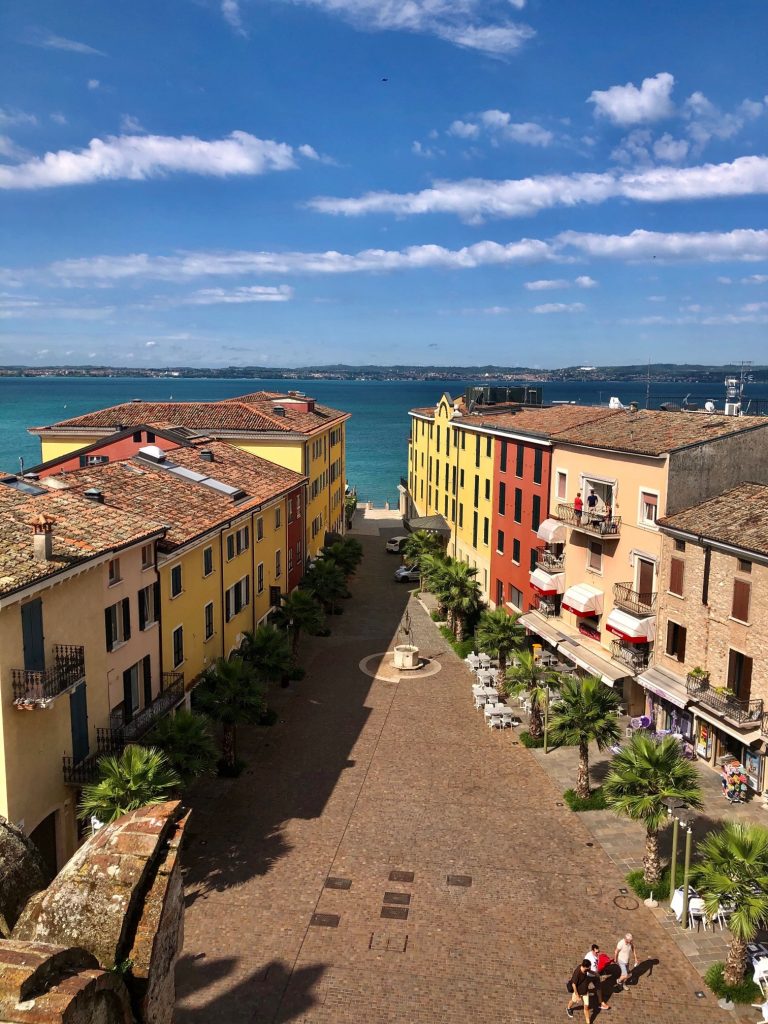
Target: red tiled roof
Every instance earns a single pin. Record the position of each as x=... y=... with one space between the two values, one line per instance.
x=738 y=517
x=549 y=421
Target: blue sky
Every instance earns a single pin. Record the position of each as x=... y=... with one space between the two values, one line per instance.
x=288 y=182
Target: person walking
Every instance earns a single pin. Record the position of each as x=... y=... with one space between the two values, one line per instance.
x=625 y=948
x=582 y=982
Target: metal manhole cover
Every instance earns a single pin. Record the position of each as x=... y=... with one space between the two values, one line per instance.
x=338 y=883
x=626 y=902
x=395 y=913
x=462 y=880
x=401 y=876
x=325 y=920
x=400 y=898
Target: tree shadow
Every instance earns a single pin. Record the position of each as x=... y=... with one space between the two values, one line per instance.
x=270 y=993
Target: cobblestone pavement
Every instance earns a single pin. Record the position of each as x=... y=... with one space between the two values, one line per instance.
x=362 y=777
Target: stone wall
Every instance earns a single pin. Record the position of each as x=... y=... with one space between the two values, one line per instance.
x=704 y=470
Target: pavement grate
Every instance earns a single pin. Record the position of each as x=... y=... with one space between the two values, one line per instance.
x=338 y=883
x=389 y=943
x=462 y=880
x=401 y=876
x=325 y=920
x=400 y=898
x=395 y=913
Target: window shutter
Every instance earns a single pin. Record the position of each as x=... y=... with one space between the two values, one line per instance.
x=247 y=590
x=231 y=546
x=742 y=591
x=108 y=627
x=126 y=619
x=228 y=605
x=83 y=461
x=147 y=680
x=142 y=610
x=247 y=537
x=746 y=678
x=681 y=638
x=676 y=576
x=156 y=586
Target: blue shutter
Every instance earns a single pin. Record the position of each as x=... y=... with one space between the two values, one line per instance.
x=32 y=635
x=78 y=713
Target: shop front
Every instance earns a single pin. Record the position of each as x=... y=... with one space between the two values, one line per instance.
x=667 y=703
x=719 y=745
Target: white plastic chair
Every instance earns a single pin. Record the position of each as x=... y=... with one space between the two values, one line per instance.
x=479 y=699
x=697 y=913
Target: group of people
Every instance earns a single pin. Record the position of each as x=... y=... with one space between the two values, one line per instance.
x=602 y=516
x=595 y=971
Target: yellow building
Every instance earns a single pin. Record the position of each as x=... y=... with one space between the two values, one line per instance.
x=291 y=430
x=73 y=650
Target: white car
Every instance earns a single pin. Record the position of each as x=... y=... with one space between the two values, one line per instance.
x=407 y=574
x=395 y=544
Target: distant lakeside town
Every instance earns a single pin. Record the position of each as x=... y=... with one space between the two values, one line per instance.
x=654 y=372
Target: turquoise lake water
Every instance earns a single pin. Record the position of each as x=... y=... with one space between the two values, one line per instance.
x=377 y=433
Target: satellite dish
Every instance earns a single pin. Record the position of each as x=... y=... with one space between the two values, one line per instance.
x=615 y=403
x=709 y=406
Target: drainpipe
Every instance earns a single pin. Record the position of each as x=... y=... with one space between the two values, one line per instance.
x=221 y=587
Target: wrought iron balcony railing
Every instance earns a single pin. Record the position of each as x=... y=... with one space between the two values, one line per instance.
x=545 y=605
x=635 y=656
x=33 y=687
x=635 y=601
x=171 y=694
x=741 y=712
x=549 y=560
x=87 y=770
x=595 y=524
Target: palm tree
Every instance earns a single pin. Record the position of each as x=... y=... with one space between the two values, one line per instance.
x=584 y=713
x=135 y=778
x=347 y=553
x=268 y=652
x=528 y=676
x=185 y=740
x=420 y=545
x=644 y=774
x=231 y=695
x=327 y=582
x=462 y=595
x=434 y=576
x=499 y=633
x=733 y=868
x=299 y=610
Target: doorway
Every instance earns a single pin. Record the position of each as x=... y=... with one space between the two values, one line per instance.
x=44 y=838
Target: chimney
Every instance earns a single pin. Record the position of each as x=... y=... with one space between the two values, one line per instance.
x=207 y=455
x=42 y=538
x=94 y=494
x=278 y=410
x=633 y=406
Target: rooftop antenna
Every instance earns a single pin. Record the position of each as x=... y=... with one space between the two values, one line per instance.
x=648 y=386
x=21 y=465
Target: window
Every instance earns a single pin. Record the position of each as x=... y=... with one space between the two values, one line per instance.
x=477 y=449
x=503 y=457
x=474 y=529
x=519 y=460
x=175 y=581
x=290 y=560
x=178 y=646
x=260 y=528
x=488 y=447
x=260 y=577
x=487 y=490
x=676 y=640
x=298 y=552
x=207 y=561
x=241 y=541
x=453 y=480
x=461 y=478
x=461 y=515
x=561 y=485
x=477 y=491
x=137 y=435
x=518 y=505
x=486 y=529
x=117 y=623
x=538 y=458
x=515 y=597
x=500 y=542
x=278 y=517
x=536 y=512
x=515 y=550
x=149 y=605
x=648 y=508
x=230 y=547
x=534 y=558
x=463 y=441
x=150 y=437
x=742 y=591
x=93 y=460
x=676 y=576
x=438 y=438
x=595 y=556
x=113 y=571
x=679 y=545
x=445 y=507
x=298 y=506
x=208 y=610
x=499 y=592
x=744 y=565
x=147 y=556
x=739 y=674
x=502 y=497
x=236 y=598
x=278 y=564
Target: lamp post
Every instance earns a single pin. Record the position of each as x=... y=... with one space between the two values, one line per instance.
x=546 y=722
x=686 y=873
x=674 y=806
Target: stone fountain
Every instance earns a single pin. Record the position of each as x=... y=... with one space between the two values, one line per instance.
x=406 y=655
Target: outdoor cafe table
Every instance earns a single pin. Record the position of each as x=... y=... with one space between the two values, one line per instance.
x=676 y=903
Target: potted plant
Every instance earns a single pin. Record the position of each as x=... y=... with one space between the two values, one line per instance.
x=699 y=677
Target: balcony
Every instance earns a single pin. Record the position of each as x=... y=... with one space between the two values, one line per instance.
x=743 y=713
x=171 y=694
x=589 y=523
x=546 y=606
x=636 y=657
x=38 y=688
x=87 y=770
x=549 y=561
x=634 y=601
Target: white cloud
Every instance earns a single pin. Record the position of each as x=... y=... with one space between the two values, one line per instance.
x=137 y=158
x=560 y=307
x=754 y=307
x=626 y=104
x=464 y=130
x=670 y=150
x=706 y=121
x=48 y=41
x=500 y=123
x=131 y=124
x=743 y=244
x=518 y=4
x=428 y=152
x=255 y=293
x=93 y=84
x=14 y=307
x=150 y=344
x=231 y=11
x=9 y=118
x=657 y=298
x=10 y=150
x=58 y=118
x=475 y=198
x=755 y=279
x=463 y=23
x=585 y=281
x=546 y=285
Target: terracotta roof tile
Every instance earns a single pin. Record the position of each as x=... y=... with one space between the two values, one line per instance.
x=738 y=517
x=82 y=529
x=545 y=420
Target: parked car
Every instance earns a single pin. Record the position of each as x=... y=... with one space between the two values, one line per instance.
x=395 y=544
x=407 y=574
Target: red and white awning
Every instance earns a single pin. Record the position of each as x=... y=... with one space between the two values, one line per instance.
x=552 y=531
x=627 y=627
x=583 y=600
x=544 y=583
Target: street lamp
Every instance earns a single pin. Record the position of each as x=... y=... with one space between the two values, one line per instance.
x=674 y=806
x=686 y=872
x=546 y=722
